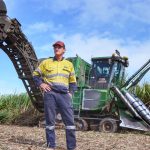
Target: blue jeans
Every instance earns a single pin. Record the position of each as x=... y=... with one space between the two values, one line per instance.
x=62 y=102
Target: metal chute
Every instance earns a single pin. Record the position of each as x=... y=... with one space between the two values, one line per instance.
x=140 y=118
x=137 y=76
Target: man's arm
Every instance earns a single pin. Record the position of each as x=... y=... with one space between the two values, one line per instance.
x=37 y=78
x=72 y=81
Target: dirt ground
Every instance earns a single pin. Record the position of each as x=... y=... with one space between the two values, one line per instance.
x=33 y=138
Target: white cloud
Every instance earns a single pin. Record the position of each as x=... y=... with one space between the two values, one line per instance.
x=96 y=11
x=44 y=51
x=94 y=46
x=86 y=46
x=58 y=6
x=65 y=5
x=112 y=11
x=41 y=27
x=138 y=53
x=140 y=10
x=93 y=11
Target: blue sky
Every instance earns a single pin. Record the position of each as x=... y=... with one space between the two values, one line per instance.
x=88 y=27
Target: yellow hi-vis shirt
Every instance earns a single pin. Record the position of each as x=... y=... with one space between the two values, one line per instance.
x=56 y=73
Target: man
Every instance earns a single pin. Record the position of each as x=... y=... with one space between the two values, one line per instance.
x=56 y=77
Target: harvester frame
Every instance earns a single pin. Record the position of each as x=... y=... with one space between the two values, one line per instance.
x=116 y=109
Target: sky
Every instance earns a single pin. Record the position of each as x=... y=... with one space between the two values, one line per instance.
x=88 y=28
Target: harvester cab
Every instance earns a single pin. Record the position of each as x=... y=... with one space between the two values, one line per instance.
x=107 y=71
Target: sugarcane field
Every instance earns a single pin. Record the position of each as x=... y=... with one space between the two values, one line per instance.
x=82 y=81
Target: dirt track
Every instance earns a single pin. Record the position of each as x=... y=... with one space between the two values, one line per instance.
x=33 y=138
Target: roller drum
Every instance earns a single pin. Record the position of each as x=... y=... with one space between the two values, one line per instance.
x=139 y=108
x=143 y=105
x=130 y=98
x=143 y=113
x=148 y=117
x=136 y=104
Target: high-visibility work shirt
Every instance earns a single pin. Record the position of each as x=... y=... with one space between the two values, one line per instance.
x=58 y=74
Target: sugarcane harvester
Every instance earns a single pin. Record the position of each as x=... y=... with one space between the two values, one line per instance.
x=102 y=100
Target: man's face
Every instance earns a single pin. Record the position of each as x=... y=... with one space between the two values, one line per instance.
x=59 y=50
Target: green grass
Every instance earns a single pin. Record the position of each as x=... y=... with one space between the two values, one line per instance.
x=11 y=106
x=143 y=92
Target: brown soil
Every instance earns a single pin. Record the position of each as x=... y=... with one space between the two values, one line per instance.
x=33 y=138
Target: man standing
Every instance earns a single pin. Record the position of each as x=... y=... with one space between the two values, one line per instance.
x=56 y=77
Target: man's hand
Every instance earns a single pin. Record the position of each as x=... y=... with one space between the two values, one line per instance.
x=45 y=87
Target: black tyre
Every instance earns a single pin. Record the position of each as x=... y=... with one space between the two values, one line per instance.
x=108 y=125
x=81 y=125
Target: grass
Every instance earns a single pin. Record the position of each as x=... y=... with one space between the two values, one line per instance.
x=12 y=105
x=143 y=92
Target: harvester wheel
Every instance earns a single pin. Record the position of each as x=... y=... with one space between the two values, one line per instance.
x=81 y=125
x=108 y=125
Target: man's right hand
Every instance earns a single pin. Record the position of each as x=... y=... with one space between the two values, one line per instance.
x=45 y=87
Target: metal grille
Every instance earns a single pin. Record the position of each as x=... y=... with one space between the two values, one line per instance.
x=91 y=99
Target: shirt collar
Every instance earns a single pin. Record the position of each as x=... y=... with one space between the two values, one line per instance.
x=54 y=58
